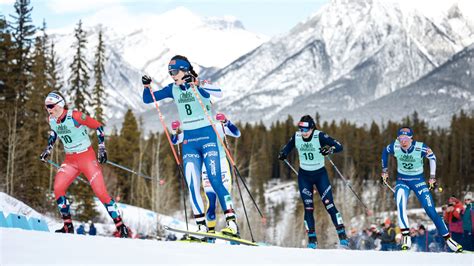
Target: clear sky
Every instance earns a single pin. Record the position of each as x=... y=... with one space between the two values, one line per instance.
x=267 y=17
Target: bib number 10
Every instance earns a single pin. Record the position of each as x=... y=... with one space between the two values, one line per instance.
x=308 y=156
x=66 y=139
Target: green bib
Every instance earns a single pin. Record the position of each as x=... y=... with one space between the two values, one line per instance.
x=409 y=163
x=74 y=139
x=310 y=157
x=190 y=110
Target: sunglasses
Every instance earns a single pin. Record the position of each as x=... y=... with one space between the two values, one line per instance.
x=404 y=138
x=51 y=106
x=305 y=129
x=173 y=72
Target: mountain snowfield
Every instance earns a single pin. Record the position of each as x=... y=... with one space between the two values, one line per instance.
x=347 y=55
x=342 y=62
x=209 y=42
x=19 y=246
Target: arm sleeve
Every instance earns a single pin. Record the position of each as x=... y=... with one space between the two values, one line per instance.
x=231 y=130
x=100 y=135
x=177 y=139
x=52 y=139
x=426 y=152
x=203 y=92
x=325 y=139
x=166 y=92
x=83 y=119
x=457 y=212
x=289 y=146
x=212 y=90
x=385 y=153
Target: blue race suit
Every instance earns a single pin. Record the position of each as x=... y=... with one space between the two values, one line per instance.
x=199 y=144
x=307 y=179
x=410 y=177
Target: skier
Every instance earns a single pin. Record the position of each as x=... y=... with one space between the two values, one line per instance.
x=308 y=140
x=224 y=127
x=410 y=154
x=199 y=140
x=71 y=127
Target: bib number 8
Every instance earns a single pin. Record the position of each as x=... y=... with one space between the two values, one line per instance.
x=187 y=107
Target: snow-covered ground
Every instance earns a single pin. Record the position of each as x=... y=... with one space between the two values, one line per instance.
x=29 y=247
x=25 y=247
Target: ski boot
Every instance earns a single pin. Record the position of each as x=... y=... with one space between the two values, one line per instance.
x=453 y=245
x=406 y=239
x=202 y=228
x=121 y=228
x=211 y=240
x=67 y=228
x=312 y=240
x=231 y=228
x=341 y=233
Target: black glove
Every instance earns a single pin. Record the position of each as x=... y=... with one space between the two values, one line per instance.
x=146 y=80
x=188 y=78
x=44 y=155
x=326 y=150
x=102 y=154
x=281 y=156
x=384 y=176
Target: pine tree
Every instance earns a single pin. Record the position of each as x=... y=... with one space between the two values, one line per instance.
x=16 y=113
x=128 y=150
x=23 y=33
x=79 y=79
x=7 y=96
x=99 y=72
x=36 y=174
x=54 y=78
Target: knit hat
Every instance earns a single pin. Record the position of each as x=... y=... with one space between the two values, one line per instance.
x=54 y=98
x=405 y=131
x=468 y=196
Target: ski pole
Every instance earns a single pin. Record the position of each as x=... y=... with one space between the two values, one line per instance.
x=57 y=167
x=390 y=187
x=180 y=167
x=347 y=183
x=240 y=193
x=133 y=172
x=182 y=185
x=291 y=167
x=229 y=156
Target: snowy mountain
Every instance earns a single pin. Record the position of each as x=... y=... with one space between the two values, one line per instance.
x=446 y=90
x=209 y=42
x=349 y=54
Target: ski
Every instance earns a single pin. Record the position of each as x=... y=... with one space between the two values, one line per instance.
x=217 y=235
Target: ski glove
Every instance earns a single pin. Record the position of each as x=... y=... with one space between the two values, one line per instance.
x=432 y=183
x=221 y=118
x=281 y=156
x=175 y=125
x=102 y=154
x=146 y=80
x=384 y=176
x=188 y=78
x=326 y=150
x=44 y=155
